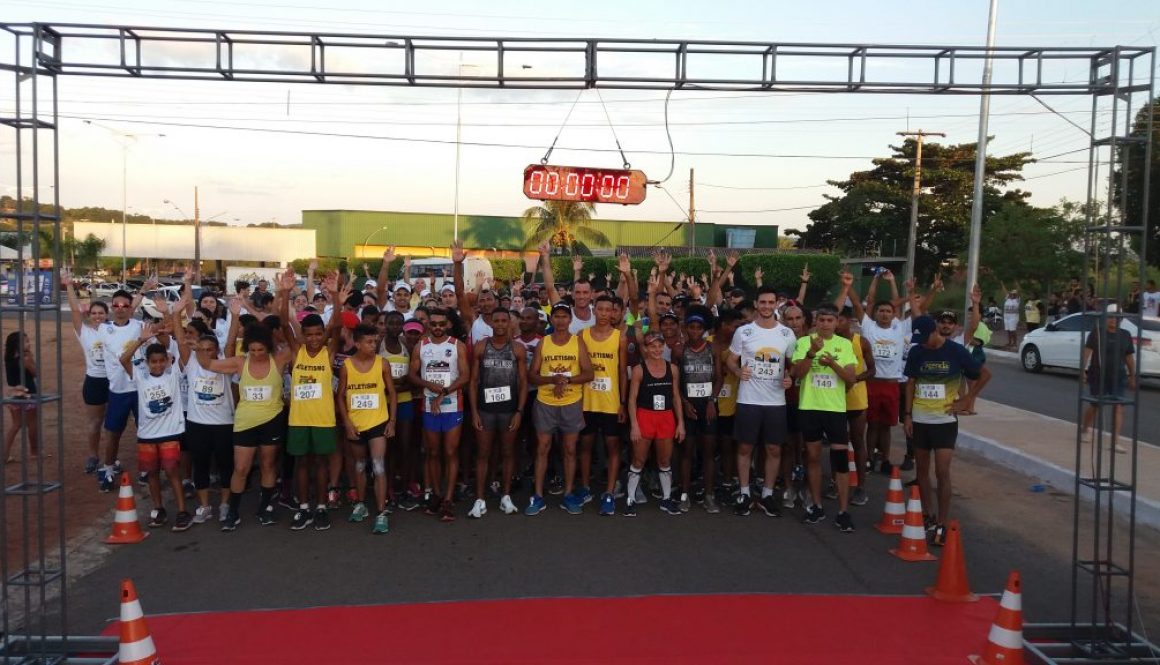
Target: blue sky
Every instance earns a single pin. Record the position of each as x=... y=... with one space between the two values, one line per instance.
x=251 y=176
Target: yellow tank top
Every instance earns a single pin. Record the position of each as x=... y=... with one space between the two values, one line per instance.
x=400 y=365
x=856 y=399
x=602 y=394
x=727 y=398
x=560 y=359
x=366 y=394
x=312 y=390
x=259 y=400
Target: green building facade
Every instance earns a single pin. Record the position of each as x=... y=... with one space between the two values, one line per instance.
x=339 y=232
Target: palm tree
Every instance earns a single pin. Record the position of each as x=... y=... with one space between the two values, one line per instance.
x=564 y=224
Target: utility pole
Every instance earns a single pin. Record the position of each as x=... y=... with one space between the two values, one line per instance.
x=692 y=218
x=912 y=238
x=980 y=162
x=197 y=236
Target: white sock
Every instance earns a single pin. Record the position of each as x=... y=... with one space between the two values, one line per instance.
x=633 y=483
x=666 y=482
x=766 y=491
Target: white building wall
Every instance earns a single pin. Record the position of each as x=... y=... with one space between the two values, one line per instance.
x=218 y=243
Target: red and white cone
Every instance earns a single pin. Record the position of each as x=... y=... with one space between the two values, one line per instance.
x=1005 y=641
x=912 y=545
x=893 y=515
x=852 y=466
x=136 y=647
x=126 y=528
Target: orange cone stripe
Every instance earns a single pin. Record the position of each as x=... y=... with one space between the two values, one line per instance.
x=134 y=631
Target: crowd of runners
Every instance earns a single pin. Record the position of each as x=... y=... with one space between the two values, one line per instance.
x=397 y=398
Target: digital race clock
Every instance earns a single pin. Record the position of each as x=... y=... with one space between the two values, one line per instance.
x=578 y=183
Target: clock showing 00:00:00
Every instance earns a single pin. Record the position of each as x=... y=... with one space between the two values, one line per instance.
x=578 y=183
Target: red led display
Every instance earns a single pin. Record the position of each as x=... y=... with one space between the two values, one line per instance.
x=578 y=183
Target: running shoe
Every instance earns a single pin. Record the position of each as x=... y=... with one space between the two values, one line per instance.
x=408 y=502
x=447 y=512
x=188 y=488
x=202 y=514
x=117 y=467
x=288 y=501
x=381 y=525
x=929 y=522
x=183 y=522
x=321 y=519
x=157 y=518
x=390 y=505
x=844 y=522
x=478 y=510
x=698 y=493
x=231 y=522
x=431 y=503
x=105 y=481
x=938 y=537
x=302 y=519
x=223 y=512
x=143 y=478
x=685 y=503
x=907 y=464
x=332 y=498
x=556 y=486
x=741 y=505
x=607 y=504
x=266 y=517
x=536 y=505
x=359 y=513
x=572 y=504
x=584 y=494
x=711 y=505
x=858 y=497
x=770 y=505
x=831 y=492
x=507 y=506
x=91 y=465
x=814 y=514
x=788 y=498
x=670 y=506
x=351 y=496
x=629 y=509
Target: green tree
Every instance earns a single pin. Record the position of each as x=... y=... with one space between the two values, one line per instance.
x=872 y=215
x=1133 y=196
x=566 y=225
x=1029 y=245
x=84 y=252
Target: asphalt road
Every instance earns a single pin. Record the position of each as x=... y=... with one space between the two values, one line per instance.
x=1054 y=393
x=1005 y=526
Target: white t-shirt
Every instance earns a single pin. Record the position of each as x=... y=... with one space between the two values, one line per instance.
x=1150 y=303
x=94 y=349
x=210 y=400
x=115 y=340
x=888 y=346
x=766 y=351
x=480 y=329
x=1011 y=307
x=578 y=324
x=159 y=414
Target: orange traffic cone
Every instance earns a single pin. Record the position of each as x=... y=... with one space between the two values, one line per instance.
x=1005 y=642
x=126 y=528
x=136 y=646
x=952 y=586
x=912 y=547
x=892 y=516
x=853 y=466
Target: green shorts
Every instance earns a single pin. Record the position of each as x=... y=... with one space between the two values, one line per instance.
x=301 y=440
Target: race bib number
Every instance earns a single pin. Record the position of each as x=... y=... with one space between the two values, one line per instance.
x=659 y=402
x=440 y=377
x=602 y=384
x=98 y=351
x=208 y=387
x=932 y=391
x=726 y=391
x=884 y=351
x=307 y=391
x=766 y=371
x=257 y=393
x=695 y=390
x=156 y=393
x=825 y=381
x=364 y=401
x=398 y=371
x=495 y=395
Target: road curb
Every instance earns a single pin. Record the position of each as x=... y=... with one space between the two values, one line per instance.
x=1147 y=510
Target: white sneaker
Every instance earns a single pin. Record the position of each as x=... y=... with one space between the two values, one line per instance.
x=478 y=510
x=202 y=514
x=506 y=505
x=223 y=512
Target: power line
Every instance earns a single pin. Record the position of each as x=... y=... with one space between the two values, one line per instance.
x=706 y=184
x=729 y=212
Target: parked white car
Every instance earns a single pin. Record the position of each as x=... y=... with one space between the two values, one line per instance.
x=169 y=294
x=107 y=289
x=1058 y=344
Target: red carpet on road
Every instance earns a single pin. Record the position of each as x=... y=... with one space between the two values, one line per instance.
x=771 y=628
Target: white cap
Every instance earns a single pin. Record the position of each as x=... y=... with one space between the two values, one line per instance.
x=370 y=284
x=402 y=286
x=448 y=286
x=425 y=293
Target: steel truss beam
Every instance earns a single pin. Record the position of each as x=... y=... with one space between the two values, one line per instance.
x=530 y=63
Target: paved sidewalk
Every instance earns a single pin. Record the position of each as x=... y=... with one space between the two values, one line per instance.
x=1044 y=448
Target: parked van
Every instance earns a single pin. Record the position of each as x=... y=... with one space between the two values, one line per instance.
x=442 y=268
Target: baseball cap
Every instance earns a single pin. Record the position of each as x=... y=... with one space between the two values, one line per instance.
x=737 y=293
x=425 y=293
x=447 y=286
x=923 y=326
x=402 y=286
x=350 y=320
x=370 y=284
x=947 y=314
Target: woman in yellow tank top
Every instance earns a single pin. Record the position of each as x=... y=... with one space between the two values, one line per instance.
x=856 y=402
x=259 y=424
x=367 y=402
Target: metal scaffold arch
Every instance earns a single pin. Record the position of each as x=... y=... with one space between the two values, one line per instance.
x=1119 y=80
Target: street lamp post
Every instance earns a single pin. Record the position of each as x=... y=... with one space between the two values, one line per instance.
x=367 y=239
x=458 y=132
x=124 y=143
